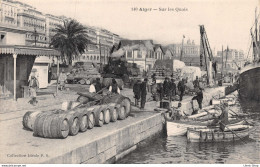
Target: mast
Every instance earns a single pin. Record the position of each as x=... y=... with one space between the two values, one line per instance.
x=222 y=63
x=256 y=24
x=226 y=57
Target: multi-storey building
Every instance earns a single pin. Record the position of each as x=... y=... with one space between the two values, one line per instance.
x=142 y=52
x=190 y=49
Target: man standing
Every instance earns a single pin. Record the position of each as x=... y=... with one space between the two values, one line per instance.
x=98 y=86
x=62 y=79
x=137 y=93
x=33 y=87
x=181 y=87
x=196 y=82
x=167 y=88
x=173 y=87
x=143 y=92
x=198 y=97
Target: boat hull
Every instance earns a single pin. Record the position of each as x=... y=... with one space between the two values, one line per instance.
x=196 y=135
x=249 y=83
x=179 y=128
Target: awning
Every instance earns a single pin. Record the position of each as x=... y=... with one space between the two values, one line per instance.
x=28 y=50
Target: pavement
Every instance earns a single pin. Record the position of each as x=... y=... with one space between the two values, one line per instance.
x=18 y=145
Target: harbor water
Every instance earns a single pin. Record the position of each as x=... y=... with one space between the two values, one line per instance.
x=176 y=149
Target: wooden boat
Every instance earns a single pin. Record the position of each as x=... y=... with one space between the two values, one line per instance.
x=178 y=128
x=232 y=133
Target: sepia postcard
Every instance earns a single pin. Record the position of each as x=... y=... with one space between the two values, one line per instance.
x=129 y=82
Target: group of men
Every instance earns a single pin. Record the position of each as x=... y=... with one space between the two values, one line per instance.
x=140 y=90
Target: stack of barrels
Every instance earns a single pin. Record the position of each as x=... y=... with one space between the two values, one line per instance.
x=60 y=123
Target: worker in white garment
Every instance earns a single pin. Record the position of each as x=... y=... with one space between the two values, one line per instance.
x=92 y=88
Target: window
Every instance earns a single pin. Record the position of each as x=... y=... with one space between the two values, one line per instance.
x=135 y=53
x=139 y=54
x=129 y=54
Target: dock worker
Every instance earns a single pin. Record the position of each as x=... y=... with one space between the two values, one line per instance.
x=137 y=91
x=98 y=86
x=33 y=87
x=196 y=82
x=143 y=91
x=198 y=97
x=167 y=88
x=223 y=118
x=173 y=86
x=113 y=88
x=181 y=88
x=62 y=79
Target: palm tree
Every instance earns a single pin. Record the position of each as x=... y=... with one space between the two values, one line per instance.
x=70 y=39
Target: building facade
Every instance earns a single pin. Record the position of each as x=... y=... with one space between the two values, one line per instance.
x=232 y=58
x=142 y=52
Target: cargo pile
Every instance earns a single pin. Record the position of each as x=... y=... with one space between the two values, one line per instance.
x=84 y=74
x=61 y=123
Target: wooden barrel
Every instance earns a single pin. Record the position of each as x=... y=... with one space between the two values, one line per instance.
x=113 y=112
x=99 y=115
x=59 y=126
x=29 y=119
x=121 y=112
x=83 y=99
x=126 y=103
x=88 y=82
x=106 y=112
x=73 y=118
x=82 y=81
x=39 y=128
x=51 y=126
x=91 y=116
x=91 y=120
x=83 y=119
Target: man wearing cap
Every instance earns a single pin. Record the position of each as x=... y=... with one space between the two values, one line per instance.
x=137 y=93
x=198 y=97
x=223 y=118
x=33 y=86
x=181 y=87
x=167 y=88
x=143 y=92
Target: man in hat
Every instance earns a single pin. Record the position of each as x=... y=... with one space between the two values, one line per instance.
x=181 y=87
x=33 y=87
x=62 y=79
x=98 y=86
x=143 y=91
x=223 y=118
x=173 y=86
x=137 y=93
x=167 y=88
x=198 y=97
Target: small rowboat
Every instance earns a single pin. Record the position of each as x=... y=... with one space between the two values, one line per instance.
x=178 y=128
x=231 y=133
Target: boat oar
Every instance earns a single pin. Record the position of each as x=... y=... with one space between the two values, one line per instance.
x=233 y=132
x=238 y=116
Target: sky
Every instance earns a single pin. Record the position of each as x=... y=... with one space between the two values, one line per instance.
x=227 y=22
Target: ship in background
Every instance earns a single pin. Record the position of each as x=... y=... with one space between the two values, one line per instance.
x=249 y=79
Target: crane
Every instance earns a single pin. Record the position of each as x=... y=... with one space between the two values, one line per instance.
x=206 y=52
